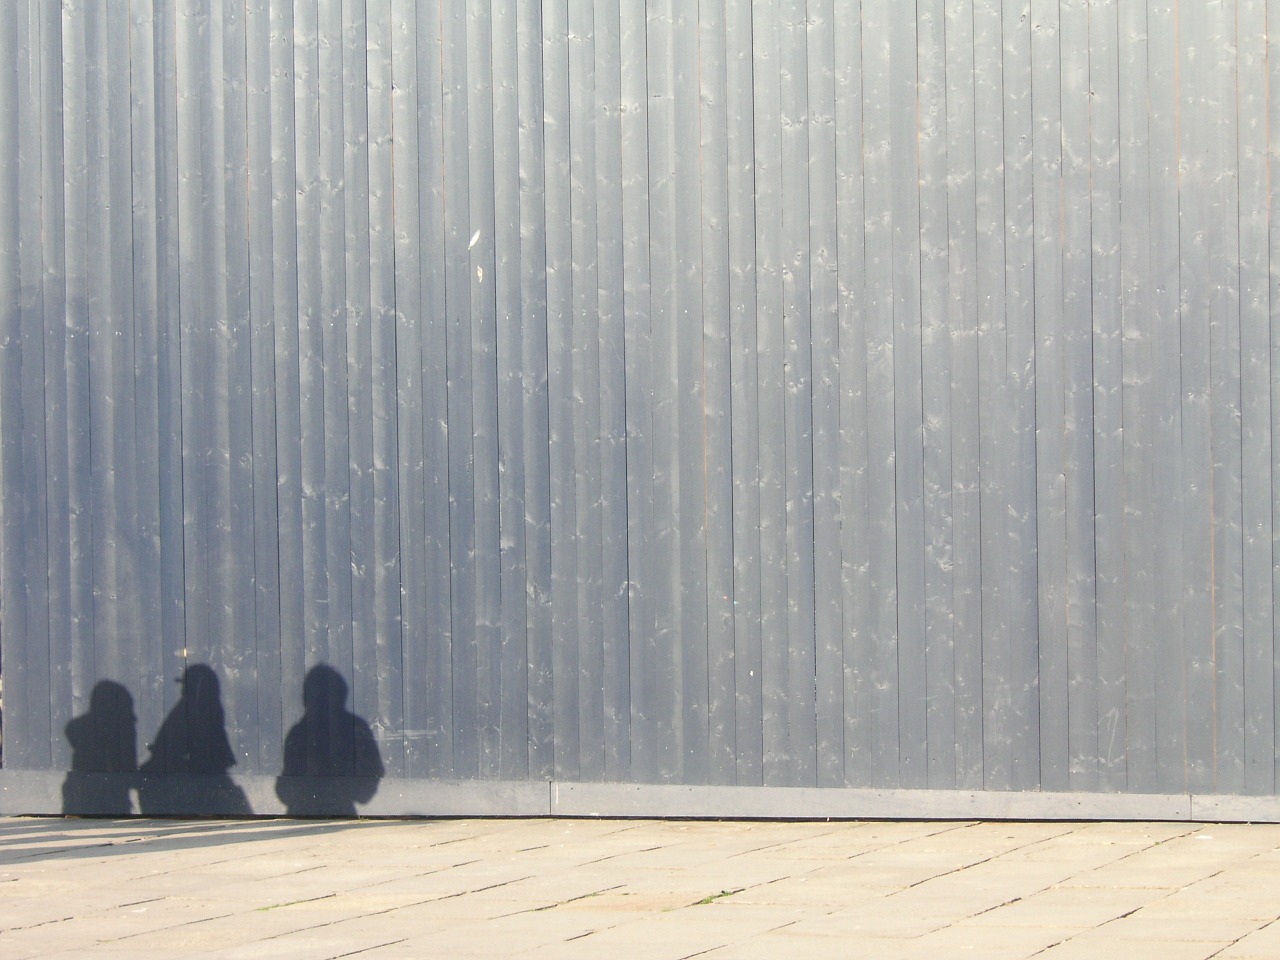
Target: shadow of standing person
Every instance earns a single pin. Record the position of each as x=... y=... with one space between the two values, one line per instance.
x=192 y=741
x=331 y=761
x=104 y=740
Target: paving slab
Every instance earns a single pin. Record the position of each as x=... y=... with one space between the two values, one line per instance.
x=787 y=942
x=1091 y=946
x=1261 y=944
x=975 y=937
x=1245 y=902
x=1210 y=929
x=1070 y=906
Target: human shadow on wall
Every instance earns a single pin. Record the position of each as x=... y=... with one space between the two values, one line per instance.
x=187 y=770
x=331 y=760
x=103 y=741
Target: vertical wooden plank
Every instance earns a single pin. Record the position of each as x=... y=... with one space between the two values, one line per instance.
x=311 y=349
x=335 y=346
x=106 y=274
x=962 y=321
x=993 y=395
x=1256 y=443
x=633 y=42
x=879 y=162
x=1138 y=394
x=1225 y=400
x=825 y=301
x=797 y=332
x=191 y=68
x=239 y=692
x=855 y=465
x=509 y=269
x=12 y=468
x=690 y=493
x=408 y=93
x=92 y=275
x=563 y=489
x=1077 y=339
x=666 y=685
x=53 y=295
x=25 y=559
x=289 y=72
x=461 y=400
x=357 y=96
x=150 y=198
x=169 y=386
x=125 y=508
x=717 y=366
x=1051 y=513
x=744 y=378
x=535 y=393
x=908 y=399
x=1197 y=129
x=1273 y=236
x=407 y=348
x=221 y=277
x=935 y=364
x=265 y=667
x=386 y=710
x=361 y=97
x=679 y=491
x=438 y=709
x=203 y=265
x=1108 y=437
x=15 y=630
x=1019 y=464
x=615 y=639
x=213 y=279
x=484 y=384
x=45 y=718
x=770 y=340
x=651 y=725
x=584 y=373
x=1167 y=481
x=126 y=264
x=75 y=357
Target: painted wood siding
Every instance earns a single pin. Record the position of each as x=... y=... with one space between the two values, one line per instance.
x=790 y=392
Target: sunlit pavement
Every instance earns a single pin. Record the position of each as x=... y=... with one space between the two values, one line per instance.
x=636 y=889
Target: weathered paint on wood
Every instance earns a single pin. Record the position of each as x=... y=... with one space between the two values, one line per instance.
x=762 y=393
x=1256 y=374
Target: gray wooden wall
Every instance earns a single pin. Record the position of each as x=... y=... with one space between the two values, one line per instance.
x=788 y=392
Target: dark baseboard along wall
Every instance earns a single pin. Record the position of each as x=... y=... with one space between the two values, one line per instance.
x=25 y=792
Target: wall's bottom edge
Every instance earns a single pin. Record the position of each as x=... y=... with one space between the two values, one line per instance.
x=35 y=792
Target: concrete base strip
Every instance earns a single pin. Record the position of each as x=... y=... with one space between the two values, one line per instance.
x=806 y=803
x=45 y=792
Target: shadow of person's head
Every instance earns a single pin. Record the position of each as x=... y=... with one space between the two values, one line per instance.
x=331 y=758
x=324 y=690
x=104 y=754
x=200 y=687
x=105 y=739
x=111 y=701
x=193 y=737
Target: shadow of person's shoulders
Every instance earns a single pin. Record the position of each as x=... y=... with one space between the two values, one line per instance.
x=187 y=770
x=104 y=754
x=331 y=758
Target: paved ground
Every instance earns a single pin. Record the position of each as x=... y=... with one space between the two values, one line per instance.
x=639 y=889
